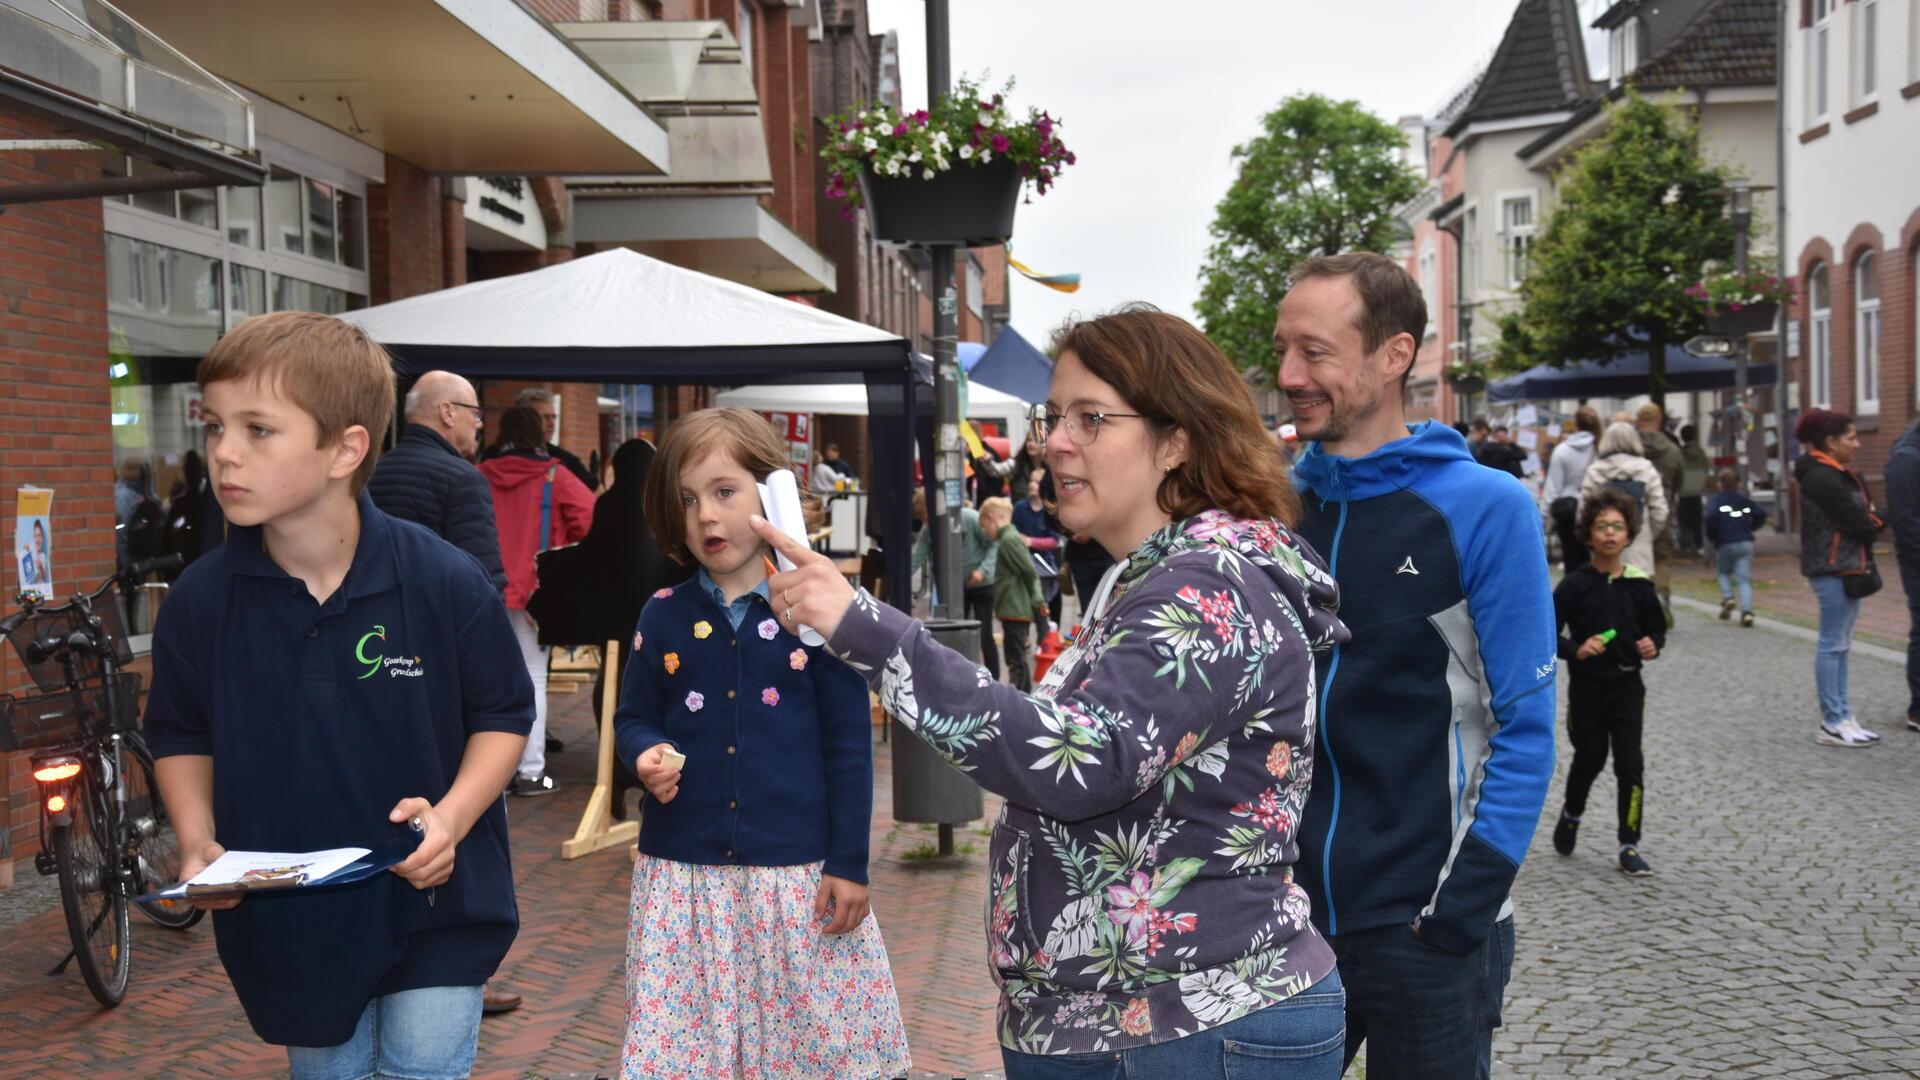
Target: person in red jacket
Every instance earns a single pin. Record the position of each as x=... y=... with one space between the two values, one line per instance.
x=537 y=504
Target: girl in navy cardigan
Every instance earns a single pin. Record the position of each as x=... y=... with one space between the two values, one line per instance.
x=751 y=950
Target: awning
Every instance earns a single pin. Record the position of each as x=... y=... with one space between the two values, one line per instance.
x=453 y=86
x=728 y=236
x=1622 y=378
x=102 y=80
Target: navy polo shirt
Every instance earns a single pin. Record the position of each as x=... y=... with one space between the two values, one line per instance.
x=320 y=716
x=778 y=736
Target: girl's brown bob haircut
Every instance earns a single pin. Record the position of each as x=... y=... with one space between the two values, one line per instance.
x=330 y=369
x=742 y=433
x=1170 y=372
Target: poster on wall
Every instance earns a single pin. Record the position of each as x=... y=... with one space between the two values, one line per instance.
x=796 y=430
x=33 y=540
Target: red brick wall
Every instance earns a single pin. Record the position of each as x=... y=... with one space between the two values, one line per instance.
x=453 y=248
x=54 y=419
x=405 y=233
x=1899 y=351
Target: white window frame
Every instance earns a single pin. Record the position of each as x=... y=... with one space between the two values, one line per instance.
x=1819 y=62
x=1469 y=286
x=1868 y=372
x=1820 y=342
x=1864 y=79
x=745 y=34
x=1623 y=51
x=1511 y=235
x=1430 y=282
x=1913 y=41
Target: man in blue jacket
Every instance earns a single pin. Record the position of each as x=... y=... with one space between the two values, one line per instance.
x=428 y=477
x=1435 y=736
x=1903 y=512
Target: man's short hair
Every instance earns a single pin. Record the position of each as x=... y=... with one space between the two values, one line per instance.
x=1390 y=300
x=330 y=369
x=1501 y=430
x=1650 y=414
x=1478 y=424
x=533 y=395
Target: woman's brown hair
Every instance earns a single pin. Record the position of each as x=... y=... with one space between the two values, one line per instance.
x=743 y=433
x=1170 y=372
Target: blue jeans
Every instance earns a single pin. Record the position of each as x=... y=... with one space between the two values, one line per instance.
x=1838 y=613
x=1735 y=562
x=426 y=1034
x=1296 y=1039
x=1423 y=1013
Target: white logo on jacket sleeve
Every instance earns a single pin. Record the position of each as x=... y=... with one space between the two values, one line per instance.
x=1545 y=671
x=1408 y=568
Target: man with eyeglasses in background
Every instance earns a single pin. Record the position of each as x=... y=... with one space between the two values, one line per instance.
x=428 y=476
x=541 y=401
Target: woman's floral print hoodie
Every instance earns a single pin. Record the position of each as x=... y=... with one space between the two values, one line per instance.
x=1141 y=882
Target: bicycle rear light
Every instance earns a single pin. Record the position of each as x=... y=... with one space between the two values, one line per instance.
x=56 y=770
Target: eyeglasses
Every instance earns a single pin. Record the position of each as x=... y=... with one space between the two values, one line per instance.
x=1083 y=422
x=1609 y=526
x=478 y=412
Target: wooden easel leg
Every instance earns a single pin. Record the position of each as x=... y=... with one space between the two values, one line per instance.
x=597 y=828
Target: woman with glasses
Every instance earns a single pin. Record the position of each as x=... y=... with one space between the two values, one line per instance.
x=1143 y=919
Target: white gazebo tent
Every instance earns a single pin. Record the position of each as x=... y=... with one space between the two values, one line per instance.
x=845 y=399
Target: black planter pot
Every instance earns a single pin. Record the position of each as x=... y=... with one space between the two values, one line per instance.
x=1751 y=319
x=1472 y=384
x=968 y=205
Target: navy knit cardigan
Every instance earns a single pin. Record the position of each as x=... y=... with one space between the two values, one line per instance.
x=778 y=738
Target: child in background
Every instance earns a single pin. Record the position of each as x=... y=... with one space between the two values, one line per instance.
x=1017 y=600
x=1610 y=622
x=322 y=679
x=1731 y=521
x=750 y=950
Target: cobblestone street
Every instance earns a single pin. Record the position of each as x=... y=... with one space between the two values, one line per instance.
x=1778 y=937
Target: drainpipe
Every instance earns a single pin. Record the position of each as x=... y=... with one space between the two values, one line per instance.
x=1783 y=508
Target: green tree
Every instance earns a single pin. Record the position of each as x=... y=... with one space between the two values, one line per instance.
x=1641 y=212
x=1322 y=177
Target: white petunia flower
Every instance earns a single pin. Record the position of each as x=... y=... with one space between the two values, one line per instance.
x=914 y=157
x=985 y=156
x=966 y=153
x=927 y=174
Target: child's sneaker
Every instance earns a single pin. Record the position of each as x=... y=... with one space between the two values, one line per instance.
x=1841 y=736
x=1564 y=833
x=1853 y=725
x=1632 y=865
x=1746 y=619
x=1913 y=722
x=1726 y=609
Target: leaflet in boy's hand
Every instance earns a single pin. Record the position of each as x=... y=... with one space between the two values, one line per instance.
x=780 y=504
x=246 y=871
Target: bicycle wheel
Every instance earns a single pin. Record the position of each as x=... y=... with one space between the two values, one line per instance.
x=95 y=906
x=155 y=848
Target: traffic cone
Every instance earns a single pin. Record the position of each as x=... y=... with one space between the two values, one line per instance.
x=1044 y=656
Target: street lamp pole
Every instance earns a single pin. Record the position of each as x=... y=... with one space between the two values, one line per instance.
x=1741 y=206
x=949 y=469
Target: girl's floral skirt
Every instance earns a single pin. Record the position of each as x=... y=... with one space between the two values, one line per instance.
x=729 y=977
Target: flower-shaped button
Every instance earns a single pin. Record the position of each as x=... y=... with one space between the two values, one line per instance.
x=770 y=697
x=703 y=630
x=663 y=594
x=797 y=660
x=695 y=702
x=638 y=640
x=768 y=629
x=673 y=662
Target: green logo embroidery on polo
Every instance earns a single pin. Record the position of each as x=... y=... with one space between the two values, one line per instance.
x=360 y=651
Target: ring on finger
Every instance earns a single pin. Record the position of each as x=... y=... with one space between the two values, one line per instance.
x=789 y=614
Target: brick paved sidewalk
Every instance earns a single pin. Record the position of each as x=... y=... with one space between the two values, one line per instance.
x=1779 y=591
x=180 y=1018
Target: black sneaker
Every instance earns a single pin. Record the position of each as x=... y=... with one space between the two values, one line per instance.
x=542 y=785
x=1746 y=619
x=1726 y=610
x=1632 y=865
x=554 y=745
x=1913 y=722
x=1564 y=833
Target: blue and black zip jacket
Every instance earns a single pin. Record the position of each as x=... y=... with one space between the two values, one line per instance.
x=1436 y=725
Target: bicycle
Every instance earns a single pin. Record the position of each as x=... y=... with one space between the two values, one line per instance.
x=104 y=828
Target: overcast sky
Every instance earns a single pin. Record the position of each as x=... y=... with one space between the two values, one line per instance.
x=1153 y=97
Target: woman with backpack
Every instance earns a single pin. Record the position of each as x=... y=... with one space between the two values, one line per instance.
x=1838 y=524
x=1620 y=463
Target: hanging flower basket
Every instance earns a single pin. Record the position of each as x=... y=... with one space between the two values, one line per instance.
x=1743 y=320
x=1472 y=384
x=952 y=175
x=972 y=207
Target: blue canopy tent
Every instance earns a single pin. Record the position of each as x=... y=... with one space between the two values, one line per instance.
x=1014 y=366
x=969 y=354
x=1622 y=378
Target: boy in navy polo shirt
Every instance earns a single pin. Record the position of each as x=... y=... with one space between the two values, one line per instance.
x=325 y=678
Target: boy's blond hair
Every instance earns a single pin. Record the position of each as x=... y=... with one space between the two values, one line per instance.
x=1000 y=507
x=332 y=370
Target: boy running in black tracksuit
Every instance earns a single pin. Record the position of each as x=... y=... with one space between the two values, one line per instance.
x=1611 y=621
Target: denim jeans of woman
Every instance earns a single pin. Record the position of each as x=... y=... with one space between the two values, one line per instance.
x=1300 y=1038
x=1838 y=613
x=425 y=1034
x=1735 y=563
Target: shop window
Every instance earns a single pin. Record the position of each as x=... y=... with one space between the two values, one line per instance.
x=243 y=217
x=283 y=211
x=292 y=294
